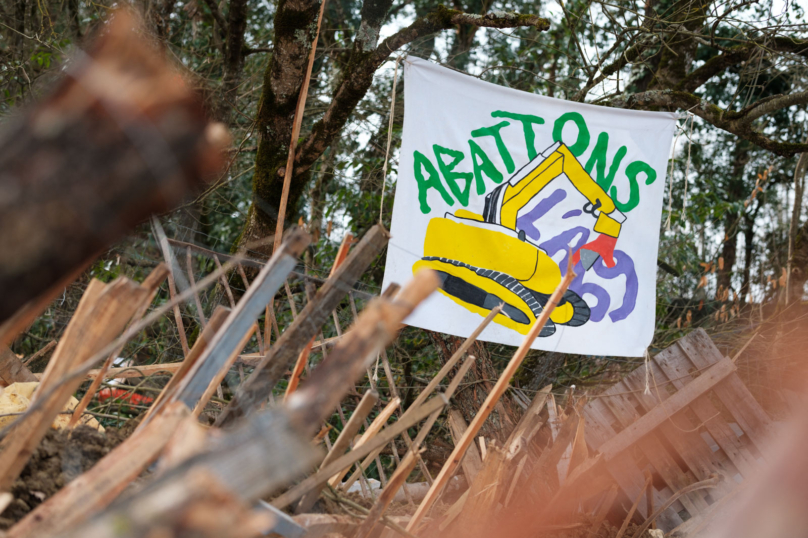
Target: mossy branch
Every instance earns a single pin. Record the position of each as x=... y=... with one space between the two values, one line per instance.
x=444 y=18
x=738 y=123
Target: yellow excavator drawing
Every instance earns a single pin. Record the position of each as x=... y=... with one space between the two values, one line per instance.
x=484 y=260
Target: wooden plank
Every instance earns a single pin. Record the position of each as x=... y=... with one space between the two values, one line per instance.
x=528 y=425
x=682 y=434
x=483 y=493
x=240 y=320
x=608 y=501
x=471 y=463
x=151 y=284
x=648 y=422
x=427 y=426
x=676 y=367
x=171 y=262
x=113 y=303
x=216 y=383
x=342 y=443
x=388 y=494
x=202 y=342
x=282 y=355
x=654 y=450
x=411 y=417
x=374 y=428
x=623 y=468
x=376 y=327
x=491 y=400
x=98 y=487
x=735 y=396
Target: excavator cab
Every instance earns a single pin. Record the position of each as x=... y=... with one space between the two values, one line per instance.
x=485 y=260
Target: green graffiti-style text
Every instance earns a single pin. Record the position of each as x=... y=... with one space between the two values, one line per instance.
x=597 y=160
x=423 y=163
x=582 y=142
x=527 y=126
x=483 y=166
x=452 y=177
x=503 y=151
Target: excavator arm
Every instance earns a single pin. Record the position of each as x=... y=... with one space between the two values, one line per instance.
x=505 y=202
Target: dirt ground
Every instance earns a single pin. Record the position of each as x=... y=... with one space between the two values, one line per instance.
x=58 y=459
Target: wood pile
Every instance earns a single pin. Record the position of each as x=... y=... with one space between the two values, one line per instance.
x=667 y=454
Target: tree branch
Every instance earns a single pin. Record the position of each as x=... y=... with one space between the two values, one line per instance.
x=444 y=18
x=217 y=15
x=357 y=77
x=738 y=123
x=736 y=55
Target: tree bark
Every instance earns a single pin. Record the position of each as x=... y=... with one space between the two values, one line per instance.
x=119 y=139
x=284 y=78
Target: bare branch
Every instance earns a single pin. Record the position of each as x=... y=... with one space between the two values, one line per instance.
x=357 y=77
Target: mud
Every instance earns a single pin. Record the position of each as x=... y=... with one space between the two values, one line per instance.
x=57 y=460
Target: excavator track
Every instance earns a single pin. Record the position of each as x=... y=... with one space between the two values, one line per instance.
x=479 y=297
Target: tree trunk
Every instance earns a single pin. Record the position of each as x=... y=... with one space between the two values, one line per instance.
x=749 y=250
x=295 y=23
x=729 y=251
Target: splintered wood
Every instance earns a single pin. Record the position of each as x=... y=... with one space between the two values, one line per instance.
x=121 y=125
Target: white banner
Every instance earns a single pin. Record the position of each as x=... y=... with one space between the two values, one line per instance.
x=496 y=187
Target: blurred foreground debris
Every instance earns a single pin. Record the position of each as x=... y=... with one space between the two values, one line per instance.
x=119 y=138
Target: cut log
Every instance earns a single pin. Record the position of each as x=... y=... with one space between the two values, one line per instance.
x=121 y=137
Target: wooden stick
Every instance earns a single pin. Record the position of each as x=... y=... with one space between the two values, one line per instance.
x=411 y=417
x=257 y=329
x=98 y=487
x=634 y=506
x=216 y=382
x=493 y=397
x=427 y=426
x=396 y=481
x=172 y=290
x=342 y=443
x=202 y=342
x=303 y=358
x=649 y=497
x=376 y=327
x=190 y=263
x=298 y=122
x=388 y=373
x=608 y=501
x=281 y=356
x=151 y=284
x=47 y=347
x=444 y=371
x=369 y=433
x=113 y=303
